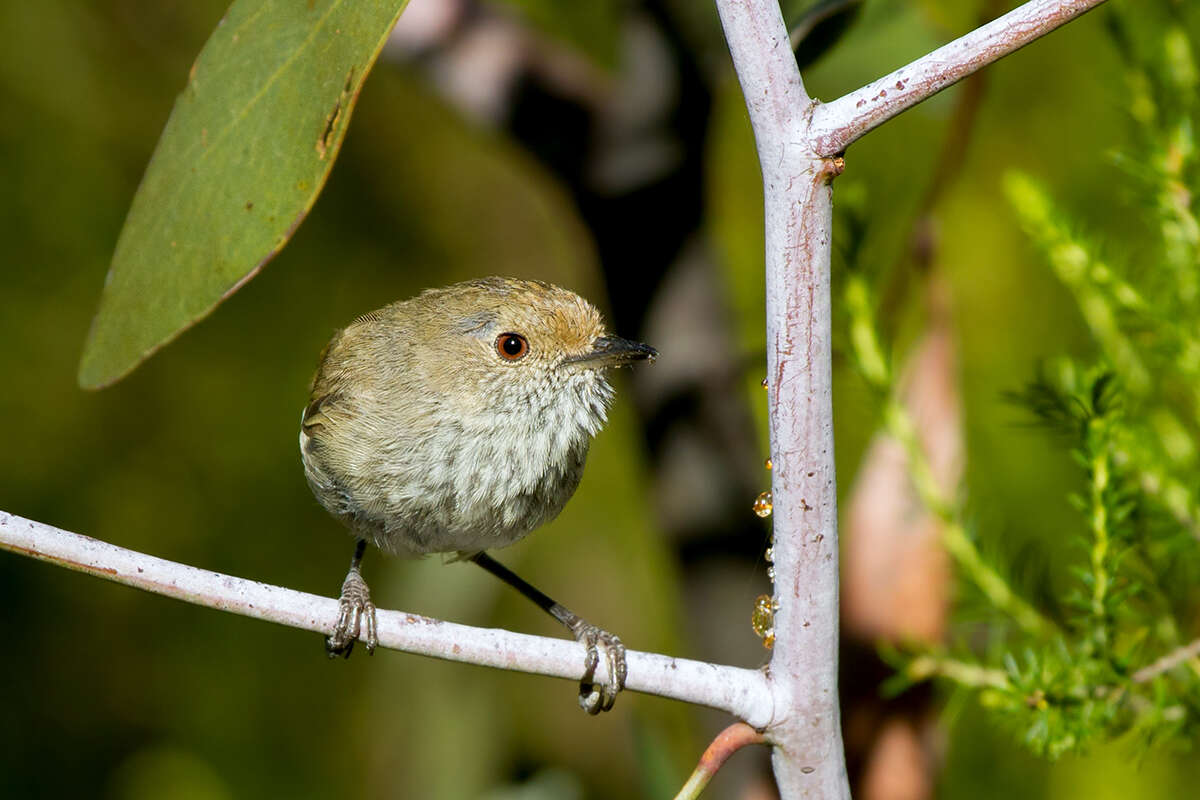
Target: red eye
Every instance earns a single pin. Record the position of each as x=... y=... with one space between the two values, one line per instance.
x=511 y=346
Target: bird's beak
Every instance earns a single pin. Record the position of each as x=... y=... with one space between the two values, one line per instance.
x=613 y=351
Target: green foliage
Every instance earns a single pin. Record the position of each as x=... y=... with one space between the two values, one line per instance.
x=1111 y=659
x=194 y=458
x=243 y=157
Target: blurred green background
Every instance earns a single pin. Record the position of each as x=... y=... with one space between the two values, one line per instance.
x=561 y=173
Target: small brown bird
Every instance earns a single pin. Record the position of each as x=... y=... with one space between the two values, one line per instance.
x=456 y=422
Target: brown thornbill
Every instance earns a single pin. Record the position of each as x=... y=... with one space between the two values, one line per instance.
x=458 y=421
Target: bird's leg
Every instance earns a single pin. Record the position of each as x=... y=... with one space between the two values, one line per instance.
x=594 y=696
x=356 y=611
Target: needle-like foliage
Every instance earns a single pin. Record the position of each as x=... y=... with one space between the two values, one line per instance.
x=1116 y=657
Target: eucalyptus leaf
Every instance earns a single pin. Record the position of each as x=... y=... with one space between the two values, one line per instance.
x=244 y=155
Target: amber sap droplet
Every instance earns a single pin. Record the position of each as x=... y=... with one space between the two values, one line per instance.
x=769 y=555
x=763 y=616
x=769 y=464
x=762 y=619
x=763 y=504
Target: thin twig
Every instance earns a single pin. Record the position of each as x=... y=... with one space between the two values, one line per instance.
x=1168 y=662
x=742 y=692
x=728 y=742
x=946 y=169
x=838 y=123
x=963 y=673
x=901 y=427
x=797 y=143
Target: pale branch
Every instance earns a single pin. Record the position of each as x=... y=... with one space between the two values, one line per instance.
x=762 y=56
x=797 y=703
x=838 y=123
x=798 y=142
x=741 y=692
x=807 y=754
x=1168 y=662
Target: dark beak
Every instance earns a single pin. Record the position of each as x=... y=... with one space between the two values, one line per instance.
x=613 y=351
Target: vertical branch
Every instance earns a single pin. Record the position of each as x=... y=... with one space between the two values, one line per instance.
x=806 y=729
x=798 y=141
x=804 y=666
x=762 y=55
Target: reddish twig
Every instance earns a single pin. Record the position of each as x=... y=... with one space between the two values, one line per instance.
x=728 y=742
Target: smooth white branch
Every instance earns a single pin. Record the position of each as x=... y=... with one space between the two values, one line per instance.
x=741 y=692
x=798 y=141
x=796 y=705
x=762 y=56
x=838 y=123
x=807 y=753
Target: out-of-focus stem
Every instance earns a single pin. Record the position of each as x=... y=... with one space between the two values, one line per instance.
x=1188 y=653
x=961 y=672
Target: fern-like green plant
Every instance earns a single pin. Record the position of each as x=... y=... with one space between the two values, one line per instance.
x=1117 y=657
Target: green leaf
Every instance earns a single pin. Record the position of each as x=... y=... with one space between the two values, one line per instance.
x=243 y=157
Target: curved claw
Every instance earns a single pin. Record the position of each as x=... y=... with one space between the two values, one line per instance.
x=596 y=696
x=355 y=612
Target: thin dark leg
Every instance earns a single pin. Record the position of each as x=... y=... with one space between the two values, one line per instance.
x=360 y=547
x=593 y=697
x=544 y=602
x=356 y=611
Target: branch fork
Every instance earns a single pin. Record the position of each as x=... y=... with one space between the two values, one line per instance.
x=800 y=144
x=794 y=704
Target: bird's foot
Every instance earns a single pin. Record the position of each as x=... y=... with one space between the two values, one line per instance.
x=596 y=696
x=356 y=613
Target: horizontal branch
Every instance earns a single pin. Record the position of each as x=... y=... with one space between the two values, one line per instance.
x=742 y=692
x=835 y=125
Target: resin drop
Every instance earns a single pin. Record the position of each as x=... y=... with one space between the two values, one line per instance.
x=763 y=504
x=762 y=619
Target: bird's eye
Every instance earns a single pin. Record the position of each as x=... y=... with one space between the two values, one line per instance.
x=511 y=346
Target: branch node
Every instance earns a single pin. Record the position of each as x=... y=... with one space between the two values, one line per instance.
x=728 y=742
x=831 y=167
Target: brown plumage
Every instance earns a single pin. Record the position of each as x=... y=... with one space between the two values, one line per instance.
x=458 y=420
